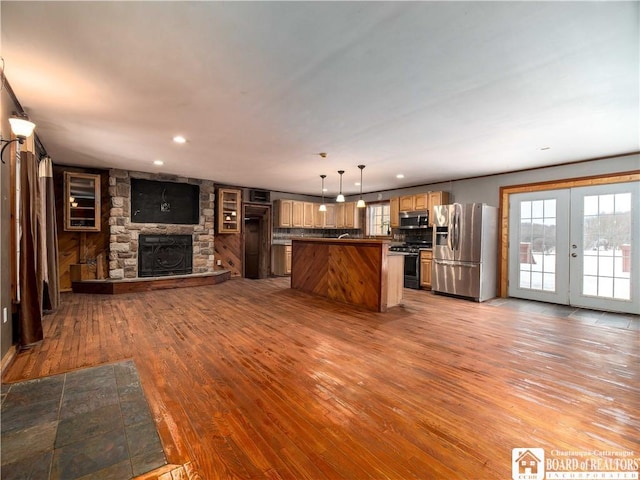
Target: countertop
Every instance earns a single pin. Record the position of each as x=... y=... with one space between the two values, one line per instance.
x=344 y=241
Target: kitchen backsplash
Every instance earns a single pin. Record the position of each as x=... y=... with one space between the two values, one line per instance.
x=289 y=233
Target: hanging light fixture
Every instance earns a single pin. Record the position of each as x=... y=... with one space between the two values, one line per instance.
x=360 y=203
x=340 y=197
x=323 y=207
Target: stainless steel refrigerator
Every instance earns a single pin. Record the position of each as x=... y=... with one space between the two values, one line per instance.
x=465 y=250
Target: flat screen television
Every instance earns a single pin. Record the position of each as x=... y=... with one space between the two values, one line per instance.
x=164 y=202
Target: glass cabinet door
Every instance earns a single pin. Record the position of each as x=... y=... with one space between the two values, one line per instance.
x=229 y=217
x=82 y=199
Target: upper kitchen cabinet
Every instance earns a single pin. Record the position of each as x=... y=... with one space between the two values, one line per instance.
x=436 y=198
x=297 y=214
x=421 y=201
x=283 y=210
x=228 y=205
x=347 y=215
x=330 y=216
x=394 y=212
x=307 y=214
x=407 y=203
x=326 y=219
x=82 y=202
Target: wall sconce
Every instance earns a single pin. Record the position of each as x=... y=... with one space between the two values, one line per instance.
x=323 y=207
x=340 y=197
x=21 y=128
x=360 y=203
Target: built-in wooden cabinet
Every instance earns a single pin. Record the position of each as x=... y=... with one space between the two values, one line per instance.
x=307 y=214
x=82 y=202
x=394 y=212
x=228 y=209
x=325 y=219
x=426 y=265
x=330 y=216
x=347 y=215
x=281 y=259
x=318 y=217
x=419 y=201
x=407 y=203
x=283 y=211
x=297 y=214
x=436 y=198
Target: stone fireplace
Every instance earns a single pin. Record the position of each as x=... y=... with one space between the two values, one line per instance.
x=124 y=248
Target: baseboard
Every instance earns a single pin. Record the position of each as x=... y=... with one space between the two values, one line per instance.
x=8 y=358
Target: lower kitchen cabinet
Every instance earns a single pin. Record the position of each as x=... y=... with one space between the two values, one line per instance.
x=281 y=259
x=426 y=262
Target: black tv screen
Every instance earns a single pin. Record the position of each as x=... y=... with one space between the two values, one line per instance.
x=164 y=202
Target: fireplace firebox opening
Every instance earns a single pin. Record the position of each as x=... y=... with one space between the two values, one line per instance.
x=162 y=255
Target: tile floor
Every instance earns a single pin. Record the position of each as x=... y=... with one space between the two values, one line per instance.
x=93 y=423
x=582 y=315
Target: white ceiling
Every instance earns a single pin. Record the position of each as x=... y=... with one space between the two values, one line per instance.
x=433 y=90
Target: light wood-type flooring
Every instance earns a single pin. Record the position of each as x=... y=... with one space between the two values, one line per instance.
x=250 y=379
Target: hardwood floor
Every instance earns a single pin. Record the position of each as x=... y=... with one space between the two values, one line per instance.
x=250 y=379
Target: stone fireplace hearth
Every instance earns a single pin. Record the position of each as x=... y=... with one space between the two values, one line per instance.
x=125 y=234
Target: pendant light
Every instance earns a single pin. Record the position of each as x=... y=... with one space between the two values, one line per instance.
x=323 y=207
x=360 y=203
x=340 y=197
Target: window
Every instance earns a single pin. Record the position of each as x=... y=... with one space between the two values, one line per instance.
x=378 y=219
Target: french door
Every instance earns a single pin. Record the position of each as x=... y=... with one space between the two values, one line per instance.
x=577 y=246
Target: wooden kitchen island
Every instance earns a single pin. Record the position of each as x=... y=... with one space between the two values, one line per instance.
x=356 y=271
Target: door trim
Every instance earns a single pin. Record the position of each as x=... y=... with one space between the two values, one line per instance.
x=503 y=239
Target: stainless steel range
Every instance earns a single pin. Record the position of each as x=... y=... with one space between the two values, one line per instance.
x=411 y=252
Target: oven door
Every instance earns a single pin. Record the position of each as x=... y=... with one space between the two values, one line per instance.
x=412 y=270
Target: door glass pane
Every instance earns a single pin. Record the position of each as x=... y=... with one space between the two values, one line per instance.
x=607 y=246
x=538 y=245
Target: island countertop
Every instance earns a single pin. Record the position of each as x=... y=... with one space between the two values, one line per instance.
x=349 y=270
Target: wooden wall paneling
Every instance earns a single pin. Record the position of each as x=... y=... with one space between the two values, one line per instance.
x=352 y=272
x=505 y=192
x=314 y=276
x=360 y=283
x=229 y=249
x=76 y=247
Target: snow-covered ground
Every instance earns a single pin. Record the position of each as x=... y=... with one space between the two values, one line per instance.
x=603 y=274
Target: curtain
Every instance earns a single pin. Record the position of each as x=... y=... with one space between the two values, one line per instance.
x=49 y=238
x=31 y=266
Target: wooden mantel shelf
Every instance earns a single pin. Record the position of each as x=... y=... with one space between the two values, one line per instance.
x=129 y=285
x=355 y=271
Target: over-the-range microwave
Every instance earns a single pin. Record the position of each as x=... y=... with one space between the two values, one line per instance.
x=414 y=220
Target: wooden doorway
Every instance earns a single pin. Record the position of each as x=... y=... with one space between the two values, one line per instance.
x=256 y=240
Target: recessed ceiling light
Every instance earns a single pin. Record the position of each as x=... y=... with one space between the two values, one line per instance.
x=179 y=139
x=357 y=184
x=325 y=189
x=400 y=175
x=158 y=162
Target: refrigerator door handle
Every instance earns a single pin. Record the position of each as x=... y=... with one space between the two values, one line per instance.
x=456 y=227
x=450 y=229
